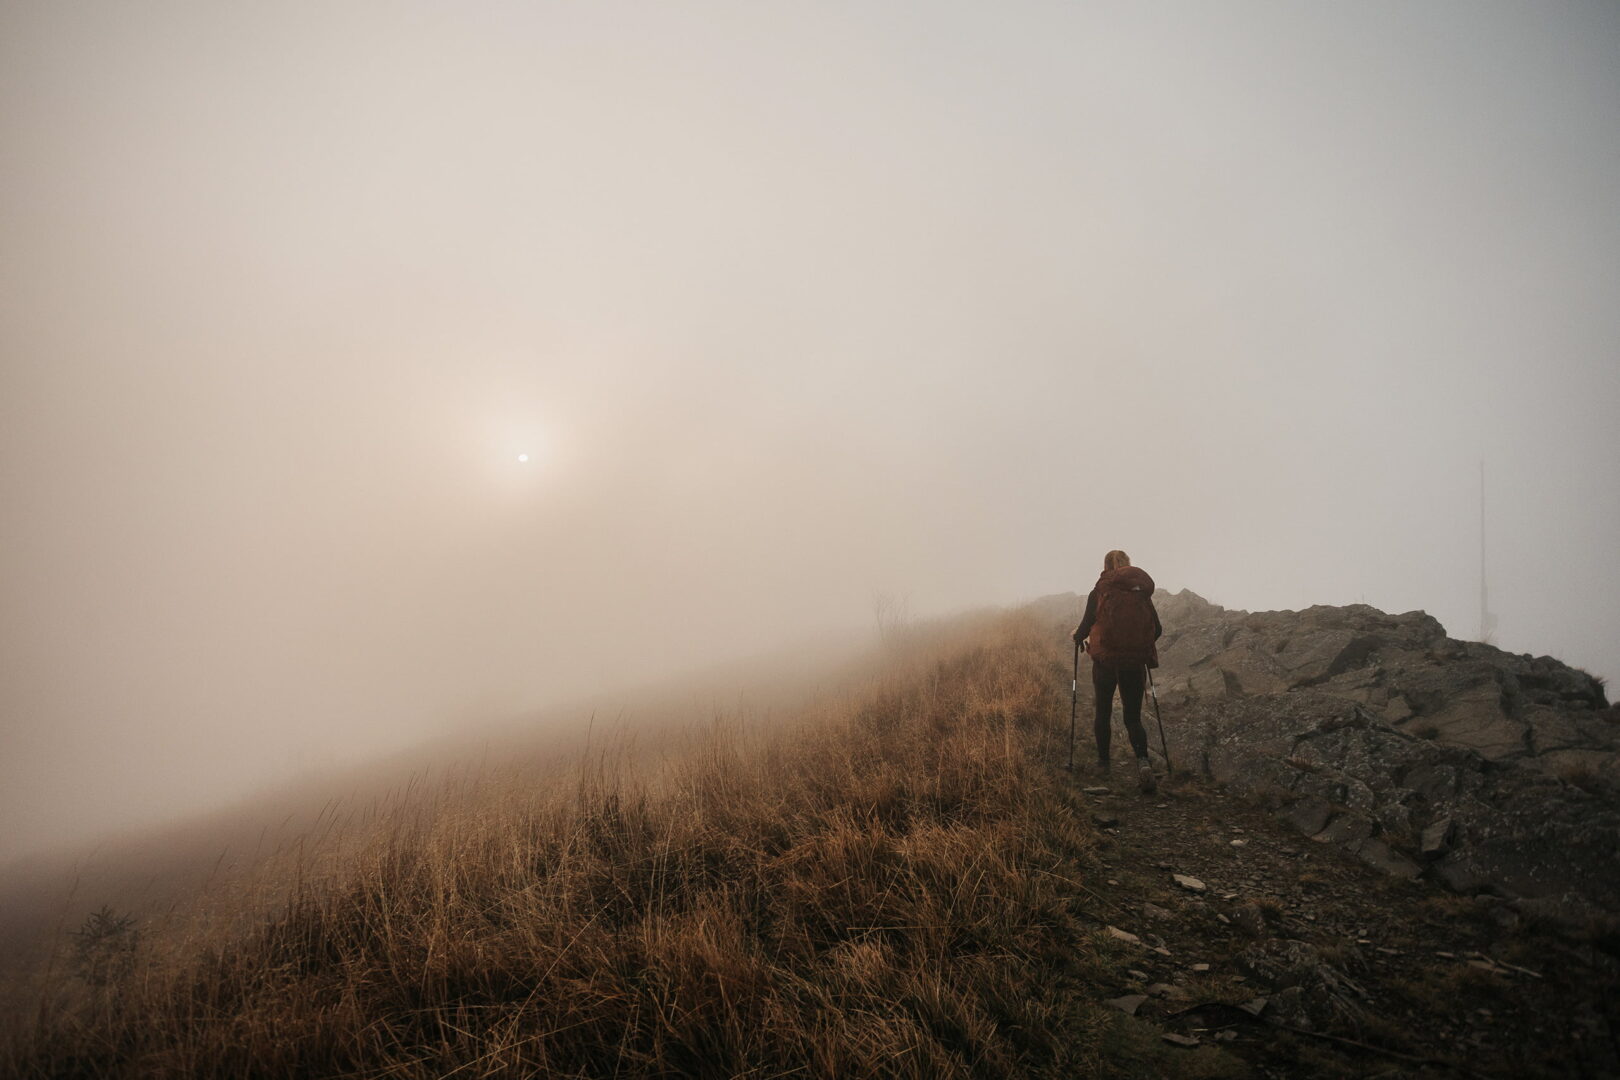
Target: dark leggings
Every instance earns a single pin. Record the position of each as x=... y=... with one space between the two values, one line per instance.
x=1131 y=680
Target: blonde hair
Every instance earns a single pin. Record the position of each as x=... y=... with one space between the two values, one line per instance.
x=1115 y=559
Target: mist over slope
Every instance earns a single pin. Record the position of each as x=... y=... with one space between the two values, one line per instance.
x=884 y=871
x=156 y=870
x=871 y=886
x=1427 y=755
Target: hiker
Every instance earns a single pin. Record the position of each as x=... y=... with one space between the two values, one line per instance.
x=1119 y=632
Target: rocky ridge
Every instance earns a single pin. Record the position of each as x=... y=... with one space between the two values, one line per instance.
x=1494 y=773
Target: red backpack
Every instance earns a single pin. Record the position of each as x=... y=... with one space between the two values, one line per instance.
x=1122 y=633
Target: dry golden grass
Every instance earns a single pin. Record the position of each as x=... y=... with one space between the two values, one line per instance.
x=880 y=888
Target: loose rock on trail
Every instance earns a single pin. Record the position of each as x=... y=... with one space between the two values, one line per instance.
x=1301 y=959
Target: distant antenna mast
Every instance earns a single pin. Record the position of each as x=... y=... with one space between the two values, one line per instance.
x=1487 y=620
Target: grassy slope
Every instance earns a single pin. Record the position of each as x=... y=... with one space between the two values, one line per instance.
x=886 y=887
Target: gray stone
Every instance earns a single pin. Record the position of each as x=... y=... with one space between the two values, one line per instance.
x=1380 y=856
x=1309 y=815
x=1475 y=721
x=1127 y=1004
x=1345 y=829
x=1396 y=710
x=1435 y=781
x=1436 y=837
x=1394 y=817
x=1212 y=682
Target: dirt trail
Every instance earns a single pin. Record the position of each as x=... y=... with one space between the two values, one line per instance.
x=1447 y=985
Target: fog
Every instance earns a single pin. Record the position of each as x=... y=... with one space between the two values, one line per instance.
x=789 y=306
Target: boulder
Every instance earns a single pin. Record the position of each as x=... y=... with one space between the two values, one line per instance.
x=1380 y=856
x=1346 y=829
x=1436 y=837
x=1309 y=815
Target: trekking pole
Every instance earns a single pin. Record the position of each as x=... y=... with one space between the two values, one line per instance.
x=1169 y=769
x=1074 y=702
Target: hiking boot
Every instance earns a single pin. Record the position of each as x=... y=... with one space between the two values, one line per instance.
x=1146 y=771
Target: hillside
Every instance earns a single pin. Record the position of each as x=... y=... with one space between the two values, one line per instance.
x=162 y=871
x=898 y=880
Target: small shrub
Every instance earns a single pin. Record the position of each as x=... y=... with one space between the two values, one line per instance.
x=104 y=946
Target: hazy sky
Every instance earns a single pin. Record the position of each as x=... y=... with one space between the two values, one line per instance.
x=788 y=303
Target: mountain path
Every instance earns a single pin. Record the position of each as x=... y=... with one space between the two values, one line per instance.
x=1430 y=983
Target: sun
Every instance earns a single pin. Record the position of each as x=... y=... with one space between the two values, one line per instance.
x=523 y=459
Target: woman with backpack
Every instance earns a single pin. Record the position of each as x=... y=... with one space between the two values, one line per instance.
x=1119 y=632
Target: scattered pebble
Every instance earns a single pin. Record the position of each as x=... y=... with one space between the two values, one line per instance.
x=1188 y=882
x=1200 y=967
x=1180 y=1040
x=1139 y=976
x=1123 y=935
x=1094 y=790
x=1237 y=843
x=1111 y=881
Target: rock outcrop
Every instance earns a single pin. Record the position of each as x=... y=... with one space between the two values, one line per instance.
x=1494 y=773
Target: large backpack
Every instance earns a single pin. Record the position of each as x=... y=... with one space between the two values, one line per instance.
x=1122 y=633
